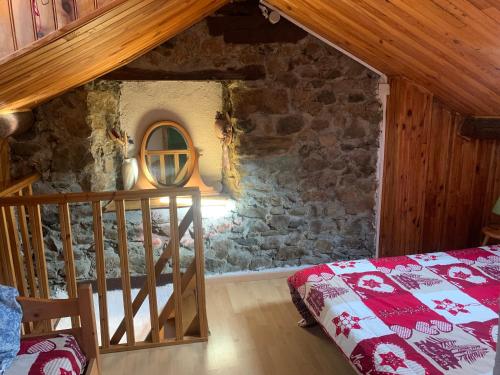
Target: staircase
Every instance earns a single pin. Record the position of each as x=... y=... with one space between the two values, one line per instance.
x=48 y=47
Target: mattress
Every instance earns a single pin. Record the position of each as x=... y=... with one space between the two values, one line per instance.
x=59 y=355
x=418 y=314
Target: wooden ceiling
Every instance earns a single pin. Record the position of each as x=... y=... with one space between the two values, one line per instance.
x=452 y=47
x=104 y=39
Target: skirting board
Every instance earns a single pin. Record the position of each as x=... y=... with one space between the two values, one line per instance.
x=244 y=276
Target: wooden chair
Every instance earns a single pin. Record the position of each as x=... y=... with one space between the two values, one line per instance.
x=39 y=310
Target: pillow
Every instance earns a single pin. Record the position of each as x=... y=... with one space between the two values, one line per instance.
x=10 y=326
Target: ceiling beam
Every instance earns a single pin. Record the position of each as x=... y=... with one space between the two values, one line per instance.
x=481 y=128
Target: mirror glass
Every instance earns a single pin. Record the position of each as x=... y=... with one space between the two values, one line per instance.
x=168 y=154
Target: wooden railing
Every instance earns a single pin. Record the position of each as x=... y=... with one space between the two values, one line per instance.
x=182 y=319
x=9 y=239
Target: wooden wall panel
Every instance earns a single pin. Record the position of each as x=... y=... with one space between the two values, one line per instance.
x=23 y=21
x=85 y=7
x=438 y=187
x=45 y=19
x=6 y=36
x=65 y=12
x=408 y=125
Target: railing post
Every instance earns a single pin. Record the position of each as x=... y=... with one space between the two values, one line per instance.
x=125 y=274
x=150 y=268
x=16 y=251
x=176 y=266
x=101 y=273
x=200 y=264
x=38 y=245
x=7 y=266
x=69 y=260
x=27 y=250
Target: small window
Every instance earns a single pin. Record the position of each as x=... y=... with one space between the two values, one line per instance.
x=167 y=154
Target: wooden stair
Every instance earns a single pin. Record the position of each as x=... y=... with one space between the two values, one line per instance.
x=91 y=46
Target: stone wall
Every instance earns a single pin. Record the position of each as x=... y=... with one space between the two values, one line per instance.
x=302 y=168
x=68 y=145
x=303 y=160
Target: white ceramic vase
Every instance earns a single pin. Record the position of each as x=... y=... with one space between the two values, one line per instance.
x=130 y=173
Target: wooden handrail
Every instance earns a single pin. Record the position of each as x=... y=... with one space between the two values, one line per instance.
x=126 y=195
x=20 y=184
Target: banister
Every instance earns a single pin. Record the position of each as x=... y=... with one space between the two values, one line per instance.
x=20 y=184
x=126 y=195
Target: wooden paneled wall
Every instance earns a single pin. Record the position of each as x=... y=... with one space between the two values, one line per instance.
x=438 y=187
x=25 y=21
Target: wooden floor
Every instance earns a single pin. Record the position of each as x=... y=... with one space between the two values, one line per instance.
x=254 y=331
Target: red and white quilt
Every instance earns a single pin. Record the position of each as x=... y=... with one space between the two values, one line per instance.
x=417 y=314
x=59 y=355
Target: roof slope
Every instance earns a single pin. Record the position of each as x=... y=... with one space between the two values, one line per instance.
x=92 y=46
x=452 y=47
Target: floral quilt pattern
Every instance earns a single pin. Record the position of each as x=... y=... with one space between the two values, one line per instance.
x=419 y=314
x=59 y=355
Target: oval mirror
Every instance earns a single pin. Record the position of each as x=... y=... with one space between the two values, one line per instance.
x=167 y=154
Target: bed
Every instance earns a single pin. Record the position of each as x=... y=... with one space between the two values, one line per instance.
x=417 y=314
x=71 y=351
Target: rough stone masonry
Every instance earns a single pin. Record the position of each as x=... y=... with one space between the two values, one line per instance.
x=302 y=166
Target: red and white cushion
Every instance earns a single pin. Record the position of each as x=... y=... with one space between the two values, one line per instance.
x=59 y=355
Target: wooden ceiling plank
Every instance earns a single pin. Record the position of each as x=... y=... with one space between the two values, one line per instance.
x=164 y=19
x=61 y=52
x=467 y=82
x=352 y=19
x=441 y=46
x=381 y=26
x=65 y=30
x=35 y=59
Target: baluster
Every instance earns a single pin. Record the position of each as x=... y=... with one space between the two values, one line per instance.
x=38 y=245
x=15 y=251
x=125 y=274
x=7 y=266
x=176 y=267
x=150 y=268
x=200 y=265
x=69 y=260
x=28 y=251
x=101 y=273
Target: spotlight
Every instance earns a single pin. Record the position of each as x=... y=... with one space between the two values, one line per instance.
x=272 y=16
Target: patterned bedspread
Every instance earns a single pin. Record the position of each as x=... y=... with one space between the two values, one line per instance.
x=418 y=314
x=48 y=356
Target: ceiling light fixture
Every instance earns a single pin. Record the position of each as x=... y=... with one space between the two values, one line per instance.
x=272 y=16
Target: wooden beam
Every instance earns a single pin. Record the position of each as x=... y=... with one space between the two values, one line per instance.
x=481 y=128
x=93 y=46
x=247 y=73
